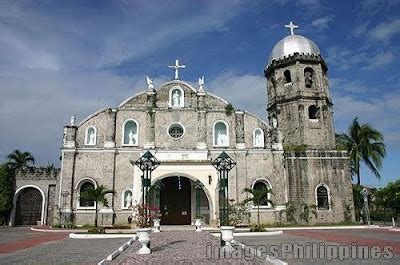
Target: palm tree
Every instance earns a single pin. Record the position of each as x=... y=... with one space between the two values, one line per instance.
x=364 y=144
x=97 y=195
x=259 y=197
x=19 y=160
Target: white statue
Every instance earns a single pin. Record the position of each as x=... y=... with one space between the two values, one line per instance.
x=258 y=140
x=176 y=98
x=274 y=122
x=131 y=137
x=128 y=199
x=221 y=138
x=150 y=85
x=72 y=120
x=201 y=83
x=92 y=137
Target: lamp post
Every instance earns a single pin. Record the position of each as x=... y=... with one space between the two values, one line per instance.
x=147 y=163
x=223 y=163
x=365 y=193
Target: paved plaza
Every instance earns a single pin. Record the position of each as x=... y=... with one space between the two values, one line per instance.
x=20 y=245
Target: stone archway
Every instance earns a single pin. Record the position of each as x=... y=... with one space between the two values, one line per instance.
x=29 y=203
x=180 y=200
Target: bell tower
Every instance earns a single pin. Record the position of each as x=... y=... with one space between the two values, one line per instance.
x=298 y=93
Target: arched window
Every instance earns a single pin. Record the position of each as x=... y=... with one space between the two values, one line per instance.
x=313 y=112
x=90 y=135
x=176 y=97
x=258 y=138
x=84 y=186
x=322 y=194
x=130 y=133
x=288 y=77
x=221 y=134
x=263 y=184
x=308 y=76
x=127 y=199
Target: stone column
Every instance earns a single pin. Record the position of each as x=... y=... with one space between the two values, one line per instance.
x=239 y=127
x=109 y=141
x=201 y=121
x=150 y=119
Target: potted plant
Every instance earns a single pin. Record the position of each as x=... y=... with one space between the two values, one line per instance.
x=142 y=221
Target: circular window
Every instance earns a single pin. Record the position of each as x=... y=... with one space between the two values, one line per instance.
x=176 y=131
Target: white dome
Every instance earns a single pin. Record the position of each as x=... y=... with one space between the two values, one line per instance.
x=292 y=44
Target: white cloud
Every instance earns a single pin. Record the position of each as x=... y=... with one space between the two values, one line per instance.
x=322 y=23
x=382 y=112
x=385 y=31
x=246 y=92
x=380 y=60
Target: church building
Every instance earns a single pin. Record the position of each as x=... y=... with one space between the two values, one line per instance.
x=291 y=151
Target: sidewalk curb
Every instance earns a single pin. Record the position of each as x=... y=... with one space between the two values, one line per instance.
x=58 y=231
x=325 y=227
x=117 y=252
x=100 y=236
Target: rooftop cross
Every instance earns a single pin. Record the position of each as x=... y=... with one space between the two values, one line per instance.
x=177 y=66
x=292 y=26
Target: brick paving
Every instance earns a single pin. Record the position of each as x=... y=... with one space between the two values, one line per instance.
x=67 y=251
x=181 y=247
x=343 y=237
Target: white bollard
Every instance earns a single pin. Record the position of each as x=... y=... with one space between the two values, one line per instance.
x=393 y=222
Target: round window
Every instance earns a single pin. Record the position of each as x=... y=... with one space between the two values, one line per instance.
x=176 y=131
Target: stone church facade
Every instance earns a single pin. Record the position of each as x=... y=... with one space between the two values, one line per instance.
x=186 y=127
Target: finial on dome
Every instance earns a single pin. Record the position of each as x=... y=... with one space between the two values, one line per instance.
x=292 y=26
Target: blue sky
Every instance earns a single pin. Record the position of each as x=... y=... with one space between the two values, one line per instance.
x=58 y=58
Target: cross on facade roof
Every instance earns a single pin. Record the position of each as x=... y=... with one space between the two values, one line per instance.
x=177 y=66
x=292 y=26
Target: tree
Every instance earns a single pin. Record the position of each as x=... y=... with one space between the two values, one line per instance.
x=364 y=144
x=97 y=195
x=19 y=160
x=389 y=197
x=259 y=197
x=307 y=210
x=5 y=193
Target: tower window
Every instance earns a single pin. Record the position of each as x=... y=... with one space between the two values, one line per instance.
x=322 y=198
x=313 y=112
x=308 y=76
x=288 y=77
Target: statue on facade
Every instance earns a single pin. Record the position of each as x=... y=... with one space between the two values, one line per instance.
x=150 y=85
x=274 y=122
x=131 y=137
x=221 y=138
x=176 y=98
x=128 y=199
x=92 y=137
x=72 y=120
x=258 y=140
x=201 y=84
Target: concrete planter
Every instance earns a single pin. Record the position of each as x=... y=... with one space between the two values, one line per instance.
x=144 y=239
x=156 y=225
x=197 y=223
x=227 y=236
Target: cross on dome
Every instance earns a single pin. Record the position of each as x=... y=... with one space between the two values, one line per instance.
x=176 y=67
x=292 y=26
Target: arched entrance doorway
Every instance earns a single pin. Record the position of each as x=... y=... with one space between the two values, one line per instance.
x=28 y=206
x=180 y=200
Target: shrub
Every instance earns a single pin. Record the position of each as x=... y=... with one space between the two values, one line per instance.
x=97 y=230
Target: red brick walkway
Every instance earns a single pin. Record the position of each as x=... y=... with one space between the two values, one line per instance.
x=31 y=242
x=343 y=238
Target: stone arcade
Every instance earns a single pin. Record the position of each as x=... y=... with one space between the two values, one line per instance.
x=186 y=127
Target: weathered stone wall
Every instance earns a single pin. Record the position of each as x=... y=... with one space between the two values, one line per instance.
x=307 y=170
